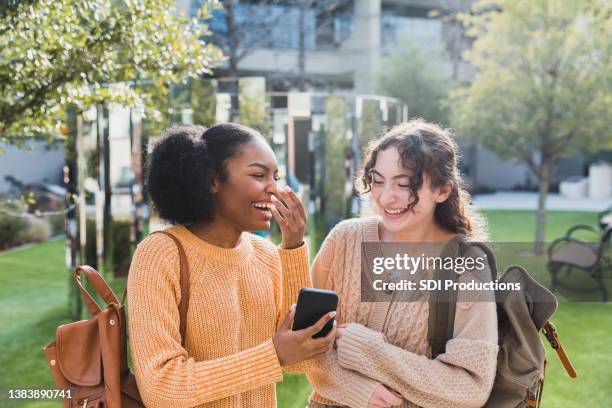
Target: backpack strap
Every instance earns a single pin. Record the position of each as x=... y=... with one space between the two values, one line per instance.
x=488 y=253
x=443 y=304
x=184 y=283
x=100 y=286
x=441 y=321
x=550 y=332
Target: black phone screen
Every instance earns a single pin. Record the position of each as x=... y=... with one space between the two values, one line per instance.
x=313 y=304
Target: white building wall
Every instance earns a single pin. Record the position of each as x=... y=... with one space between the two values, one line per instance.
x=492 y=172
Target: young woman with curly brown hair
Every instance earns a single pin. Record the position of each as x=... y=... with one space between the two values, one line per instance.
x=382 y=356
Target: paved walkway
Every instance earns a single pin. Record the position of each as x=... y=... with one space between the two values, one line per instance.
x=529 y=201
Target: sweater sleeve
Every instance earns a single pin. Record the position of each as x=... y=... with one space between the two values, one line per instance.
x=461 y=377
x=295 y=276
x=166 y=375
x=338 y=385
x=328 y=379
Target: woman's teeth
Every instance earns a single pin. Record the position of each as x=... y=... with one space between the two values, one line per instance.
x=263 y=206
x=396 y=212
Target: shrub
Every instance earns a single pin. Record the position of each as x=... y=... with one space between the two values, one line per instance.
x=91 y=257
x=57 y=223
x=10 y=228
x=37 y=230
x=16 y=230
x=122 y=247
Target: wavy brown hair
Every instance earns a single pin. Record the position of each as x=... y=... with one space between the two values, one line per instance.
x=426 y=148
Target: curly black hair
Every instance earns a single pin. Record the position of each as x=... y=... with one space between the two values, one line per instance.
x=183 y=164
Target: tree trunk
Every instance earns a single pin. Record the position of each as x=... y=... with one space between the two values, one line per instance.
x=545 y=174
x=302 y=51
x=232 y=39
x=232 y=59
x=72 y=231
x=107 y=217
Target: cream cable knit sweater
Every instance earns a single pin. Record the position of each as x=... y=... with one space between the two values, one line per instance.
x=399 y=356
x=237 y=298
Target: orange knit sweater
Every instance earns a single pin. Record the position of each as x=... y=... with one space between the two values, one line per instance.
x=238 y=296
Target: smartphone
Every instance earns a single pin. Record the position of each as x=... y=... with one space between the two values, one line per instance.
x=313 y=304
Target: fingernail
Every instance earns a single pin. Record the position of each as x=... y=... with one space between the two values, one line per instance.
x=288 y=189
x=332 y=314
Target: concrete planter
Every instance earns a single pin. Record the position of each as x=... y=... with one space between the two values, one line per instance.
x=600 y=180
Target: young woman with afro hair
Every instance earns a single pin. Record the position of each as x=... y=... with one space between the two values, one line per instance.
x=217 y=185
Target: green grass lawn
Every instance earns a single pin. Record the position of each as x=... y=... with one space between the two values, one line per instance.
x=519 y=226
x=34 y=287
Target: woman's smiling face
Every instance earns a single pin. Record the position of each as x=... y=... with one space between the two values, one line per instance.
x=392 y=196
x=244 y=199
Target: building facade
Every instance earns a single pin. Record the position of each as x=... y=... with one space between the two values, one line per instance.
x=339 y=45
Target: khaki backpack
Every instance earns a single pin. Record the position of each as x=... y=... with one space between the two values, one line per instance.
x=521 y=361
x=89 y=358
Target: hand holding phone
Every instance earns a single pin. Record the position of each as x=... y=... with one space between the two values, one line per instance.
x=309 y=329
x=311 y=306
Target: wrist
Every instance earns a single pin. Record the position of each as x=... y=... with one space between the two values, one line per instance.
x=292 y=245
x=362 y=391
x=355 y=340
x=275 y=345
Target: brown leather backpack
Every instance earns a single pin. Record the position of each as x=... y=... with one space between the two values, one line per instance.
x=89 y=357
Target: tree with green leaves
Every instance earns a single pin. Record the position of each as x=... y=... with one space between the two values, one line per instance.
x=60 y=53
x=543 y=84
x=415 y=76
x=334 y=198
x=65 y=56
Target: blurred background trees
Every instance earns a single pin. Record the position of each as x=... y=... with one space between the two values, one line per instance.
x=65 y=66
x=78 y=53
x=415 y=75
x=542 y=87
